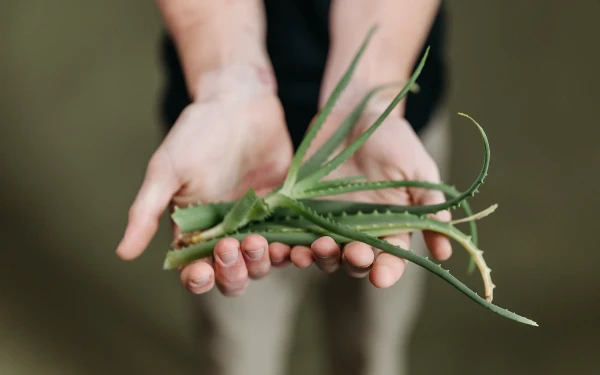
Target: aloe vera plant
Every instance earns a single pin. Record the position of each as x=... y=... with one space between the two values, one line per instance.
x=294 y=212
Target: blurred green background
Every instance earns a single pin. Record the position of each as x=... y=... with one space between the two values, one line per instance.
x=78 y=107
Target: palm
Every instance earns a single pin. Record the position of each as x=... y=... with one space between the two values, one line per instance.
x=216 y=150
x=392 y=153
x=244 y=148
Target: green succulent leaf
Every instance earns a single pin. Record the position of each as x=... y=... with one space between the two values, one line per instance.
x=249 y=208
x=436 y=269
x=323 y=114
x=341 y=133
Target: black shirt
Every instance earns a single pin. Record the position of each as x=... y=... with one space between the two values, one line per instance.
x=297 y=43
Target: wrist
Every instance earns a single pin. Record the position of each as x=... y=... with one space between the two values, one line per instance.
x=227 y=59
x=239 y=80
x=380 y=95
x=390 y=57
x=377 y=103
x=219 y=42
x=375 y=69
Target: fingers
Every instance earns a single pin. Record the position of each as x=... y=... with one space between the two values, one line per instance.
x=438 y=244
x=387 y=268
x=358 y=259
x=256 y=254
x=231 y=273
x=279 y=254
x=326 y=254
x=159 y=186
x=301 y=256
x=233 y=266
x=198 y=277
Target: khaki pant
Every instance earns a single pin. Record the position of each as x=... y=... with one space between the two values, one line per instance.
x=367 y=330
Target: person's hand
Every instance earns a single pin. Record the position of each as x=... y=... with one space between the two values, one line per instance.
x=218 y=148
x=393 y=152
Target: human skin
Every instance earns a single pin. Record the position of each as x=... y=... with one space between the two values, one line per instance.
x=233 y=135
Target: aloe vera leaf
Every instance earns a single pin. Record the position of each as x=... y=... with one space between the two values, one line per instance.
x=239 y=212
x=335 y=207
x=477 y=216
x=388 y=223
x=318 y=191
x=181 y=257
x=277 y=229
x=381 y=224
x=424 y=262
x=308 y=181
x=299 y=231
x=336 y=139
x=352 y=187
x=292 y=175
x=247 y=209
x=326 y=207
x=200 y=216
x=360 y=186
x=457 y=199
x=338 y=182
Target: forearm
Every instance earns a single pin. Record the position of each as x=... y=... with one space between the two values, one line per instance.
x=403 y=26
x=214 y=37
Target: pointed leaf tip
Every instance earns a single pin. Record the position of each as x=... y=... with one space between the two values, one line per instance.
x=294 y=169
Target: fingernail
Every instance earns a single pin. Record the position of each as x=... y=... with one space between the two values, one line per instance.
x=255 y=254
x=229 y=257
x=199 y=282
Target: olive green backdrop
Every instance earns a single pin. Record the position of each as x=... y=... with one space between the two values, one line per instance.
x=78 y=111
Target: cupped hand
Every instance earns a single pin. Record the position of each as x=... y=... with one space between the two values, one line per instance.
x=393 y=152
x=217 y=149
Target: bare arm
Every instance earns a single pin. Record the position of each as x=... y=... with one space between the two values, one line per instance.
x=231 y=138
x=403 y=28
x=219 y=37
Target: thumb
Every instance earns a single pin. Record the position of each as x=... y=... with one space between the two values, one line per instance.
x=157 y=190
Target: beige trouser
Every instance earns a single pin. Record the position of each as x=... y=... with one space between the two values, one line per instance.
x=367 y=329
